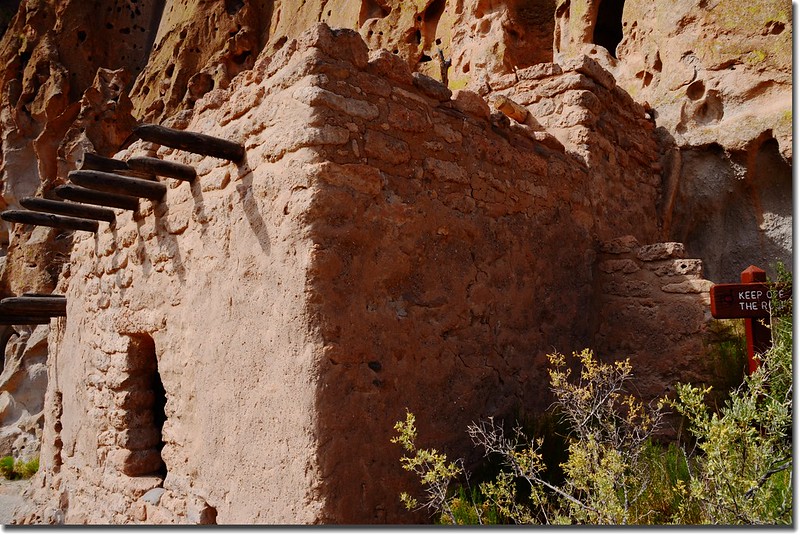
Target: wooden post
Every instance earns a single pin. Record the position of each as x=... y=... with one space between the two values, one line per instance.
x=190 y=141
x=755 y=301
x=29 y=305
x=157 y=166
x=6 y=319
x=118 y=184
x=89 y=196
x=49 y=220
x=94 y=162
x=511 y=109
x=67 y=208
x=757 y=331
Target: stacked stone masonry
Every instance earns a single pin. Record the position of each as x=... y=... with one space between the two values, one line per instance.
x=238 y=352
x=387 y=245
x=652 y=305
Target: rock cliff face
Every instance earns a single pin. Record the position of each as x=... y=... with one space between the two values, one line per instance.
x=239 y=351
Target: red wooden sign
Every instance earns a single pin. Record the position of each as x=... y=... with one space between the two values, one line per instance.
x=752 y=300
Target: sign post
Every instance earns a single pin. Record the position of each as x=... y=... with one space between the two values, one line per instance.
x=752 y=301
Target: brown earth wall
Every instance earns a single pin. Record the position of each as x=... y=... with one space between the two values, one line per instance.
x=381 y=247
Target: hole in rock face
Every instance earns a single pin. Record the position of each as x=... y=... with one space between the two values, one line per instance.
x=280 y=42
x=233 y=6
x=81 y=36
x=696 y=90
x=657 y=64
x=372 y=9
x=775 y=28
x=608 y=27
x=711 y=110
x=430 y=20
x=239 y=59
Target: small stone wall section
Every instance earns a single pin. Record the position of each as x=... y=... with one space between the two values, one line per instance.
x=578 y=102
x=652 y=305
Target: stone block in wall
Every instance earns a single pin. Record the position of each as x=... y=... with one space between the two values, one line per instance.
x=342 y=43
x=661 y=251
x=688 y=287
x=389 y=66
x=537 y=72
x=625 y=265
x=471 y=103
x=624 y=244
x=676 y=267
x=432 y=88
x=591 y=68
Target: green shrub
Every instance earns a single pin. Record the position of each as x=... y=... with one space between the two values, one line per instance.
x=743 y=468
x=18 y=469
x=7 y=467
x=26 y=469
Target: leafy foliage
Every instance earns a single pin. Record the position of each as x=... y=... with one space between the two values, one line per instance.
x=744 y=468
x=432 y=468
x=18 y=469
x=7 y=467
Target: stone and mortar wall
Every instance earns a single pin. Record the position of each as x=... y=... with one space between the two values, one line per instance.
x=715 y=78
x=652 y=304
x=382 y=246
x=579 y=103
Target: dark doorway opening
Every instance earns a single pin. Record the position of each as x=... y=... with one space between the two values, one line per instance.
x=608 y=27
x=144 y=407
x=159 y=416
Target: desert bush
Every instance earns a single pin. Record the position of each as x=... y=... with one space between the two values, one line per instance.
x=743 y=472
x=737 y=470
x=13 y=469
x=7 y=467
x=26 y=469
x=608 y=431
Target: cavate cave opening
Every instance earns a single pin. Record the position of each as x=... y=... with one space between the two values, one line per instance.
x=372 y=9
x=144 y=405
x=430 y=23
x=608 y=27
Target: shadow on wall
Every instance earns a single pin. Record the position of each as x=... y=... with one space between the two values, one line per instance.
x=733 y=209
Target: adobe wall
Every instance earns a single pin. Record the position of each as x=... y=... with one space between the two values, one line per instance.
x=382 y=246
x=578 y=102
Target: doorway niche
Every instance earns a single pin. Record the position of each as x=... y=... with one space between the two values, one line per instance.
x=608 y=26
x=141 y=409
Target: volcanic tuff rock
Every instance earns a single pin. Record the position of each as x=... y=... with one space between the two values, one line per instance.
x=388 y=241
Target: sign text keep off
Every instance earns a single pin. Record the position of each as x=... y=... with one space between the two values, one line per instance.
x=748 y=300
